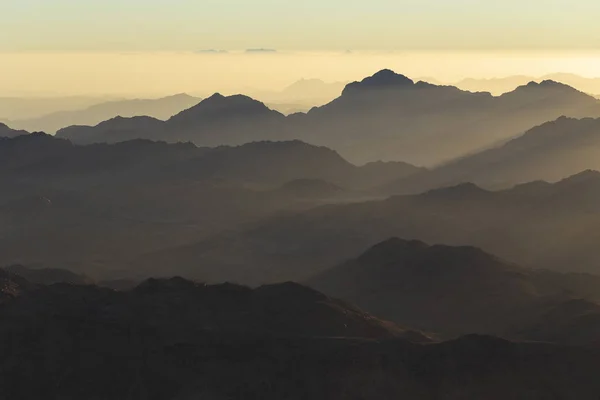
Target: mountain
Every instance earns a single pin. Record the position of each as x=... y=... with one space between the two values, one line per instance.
x=162 y=108
x=5 y=131
x=458 y=290
x=217 y=120
x=384 y=117
x=575 y=322
x=389 y=117
x=231 y=120
x=498 y=86
x=23 y=108
x=551 y=152
x=176 y=339
x=48 y=276
x=538 y=225
x=11 y=286
x=306 y=93
x=92 y=209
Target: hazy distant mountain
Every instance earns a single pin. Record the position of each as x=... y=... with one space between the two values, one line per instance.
x=18 y=108
x=306 y=93
x=542 y=225
x=48 y=276
x=162 y=108
x=217 y=120
x=91 y=208
x=551 y=152
x=5 y=131
x=389 y=117
x=384 y=117
x=453 y=290
x=498 y=86
x=178 y=339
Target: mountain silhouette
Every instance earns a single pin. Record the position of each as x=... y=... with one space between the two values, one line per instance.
x=389 y=117
x=450 y=290
x=498 y=86
x=93 y=208
x=385 y=117
x=162 y=109
x=5 y=131
x=538 y=225
x=551 y=152
x=178 y=339
x=217 y=120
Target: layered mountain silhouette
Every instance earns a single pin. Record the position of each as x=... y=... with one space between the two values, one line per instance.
x=458 y=290
x=388 y=116
x=541 y=225
x=162 y=108
x=551 y=152
x=384 y=117
x=499 y=86
x=177 y=339
x=31 y=107
x=92 y=208
x=5 y=131
x=217 y=120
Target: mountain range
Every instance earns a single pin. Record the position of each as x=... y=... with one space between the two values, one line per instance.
x=384 y=117
x=91 y=208
x=538 y=225
x=177 y=339
x=458 y=290
x=551 y=152
x=498 y=86
x=162 y=108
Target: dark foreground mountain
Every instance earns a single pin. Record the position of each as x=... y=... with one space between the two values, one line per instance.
x=540 y=225
x=551 y=152
x=460 y=290
x=162 y=109
x=174 y=339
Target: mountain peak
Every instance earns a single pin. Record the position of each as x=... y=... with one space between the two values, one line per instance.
x=587 y=176
x=384 y=79
x=218 y=106
x=390 y=249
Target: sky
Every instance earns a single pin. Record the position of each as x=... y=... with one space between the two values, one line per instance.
x=156 y=46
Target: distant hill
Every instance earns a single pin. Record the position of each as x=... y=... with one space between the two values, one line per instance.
x=541 y=225
x=92 y=208
x=306 y=92
x=453 y=290
x=162 y=108
x=217 y=120
x=498 y=86
x=384 y=117
x=5 y=131
x=389 y=117
x=48 y=276
x=551 y=152
x=21 y=108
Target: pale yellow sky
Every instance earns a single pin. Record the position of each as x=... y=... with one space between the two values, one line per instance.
x=163 y=73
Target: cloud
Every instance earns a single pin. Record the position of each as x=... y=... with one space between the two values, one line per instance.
x=261 y=51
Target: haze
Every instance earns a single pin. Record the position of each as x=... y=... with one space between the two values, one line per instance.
x=165 y=73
